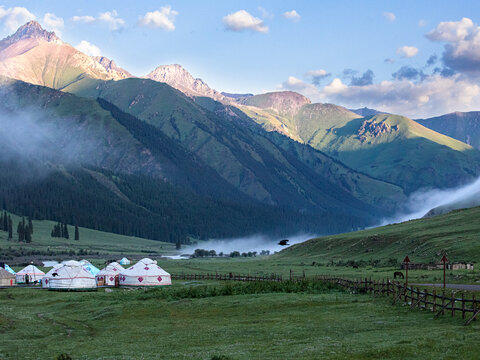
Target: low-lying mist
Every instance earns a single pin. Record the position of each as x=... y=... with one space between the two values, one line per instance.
x=245 y=244
x=435 y=202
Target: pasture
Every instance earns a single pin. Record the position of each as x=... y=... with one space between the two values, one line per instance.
x=325 y=322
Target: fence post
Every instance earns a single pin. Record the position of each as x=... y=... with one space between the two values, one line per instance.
x=425 y=298
x=453 y=303
x=474 y=306
x=443 y=302
x=463 y=305
x=434 y=308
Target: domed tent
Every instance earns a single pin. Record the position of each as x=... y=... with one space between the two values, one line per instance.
x=109 y=276
x=87 y=265
x=72 y=276
x=6 y=278
x=46 y=279
x=145 y=273
x=124 y=261
x=29 y=274
x=9 y=269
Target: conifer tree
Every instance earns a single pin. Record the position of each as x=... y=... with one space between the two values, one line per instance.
x=5 y=221
x=77 y=233
x=21 y=231
x=27 y=234
x=10 y=228
x=30 y=225
x=65 y=231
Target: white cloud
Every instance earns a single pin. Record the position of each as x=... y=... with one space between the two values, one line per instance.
x=422 y=23
x=85 y=19
x=13 y=18
x=111 y=18
x=462 y=48
x=407 y=51
x=265 y=13
x=242 y=20
x=316 y=76
x=53 y=22
x=292 y=15
x=389 y=16
x=88 y=48
x=452 y=31
x=435 y=95
x=163 y=19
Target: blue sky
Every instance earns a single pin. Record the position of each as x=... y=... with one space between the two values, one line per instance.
x=343 y=39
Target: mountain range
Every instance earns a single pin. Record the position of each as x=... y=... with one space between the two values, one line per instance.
x=138 y=144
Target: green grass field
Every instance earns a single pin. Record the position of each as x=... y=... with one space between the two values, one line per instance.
x=330 y=324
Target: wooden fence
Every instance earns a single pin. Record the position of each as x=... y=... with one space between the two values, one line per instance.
x=439 y=303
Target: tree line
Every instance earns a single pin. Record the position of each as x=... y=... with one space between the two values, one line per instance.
x=60 y=230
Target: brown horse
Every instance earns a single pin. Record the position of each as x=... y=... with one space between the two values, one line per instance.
x=399 y=274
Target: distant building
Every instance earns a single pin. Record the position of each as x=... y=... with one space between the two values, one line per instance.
x=452 y=266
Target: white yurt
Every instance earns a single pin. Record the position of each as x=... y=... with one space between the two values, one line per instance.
x=6 y=278
x=109 y=276
x=124 y=261
x=145 y=273
x=71 y=276
x=49 y=275
x=30 y=273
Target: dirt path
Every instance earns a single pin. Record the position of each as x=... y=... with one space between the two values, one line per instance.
x=466 y=287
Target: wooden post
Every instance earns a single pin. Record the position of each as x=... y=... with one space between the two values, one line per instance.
x=443 y=303
x=434 y=308
x=453 y=304
x=463 y=305
x=474 y=306
x=425 y=299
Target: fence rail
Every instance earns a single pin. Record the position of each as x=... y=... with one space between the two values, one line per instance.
x=438 y=303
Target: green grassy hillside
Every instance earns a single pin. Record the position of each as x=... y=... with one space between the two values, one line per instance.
x=388 y=147
x=463 y=126
x=424 y=240
x=106 y=244
x=246 y=157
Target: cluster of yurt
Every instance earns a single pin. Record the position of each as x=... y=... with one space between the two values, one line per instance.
x=29 y=275
x=71 y=275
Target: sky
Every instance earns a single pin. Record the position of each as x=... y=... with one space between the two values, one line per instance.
x=415 y=58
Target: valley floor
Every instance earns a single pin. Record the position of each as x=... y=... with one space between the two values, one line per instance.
x=123 y=324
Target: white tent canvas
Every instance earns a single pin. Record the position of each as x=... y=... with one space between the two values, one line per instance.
x=49 y=275
x=30 y=272
x=6 y=278
x=145 y=273
x=91 y=269
x=72 y=276
x=109 y=275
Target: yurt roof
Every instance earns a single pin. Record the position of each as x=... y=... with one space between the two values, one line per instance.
x=72 y=271
x=9 y=269
x=91 y=268
x=30 y=270
x=4 y=274
x=71 y=263
x=145 y=266
x=53 y=269
x=112 y=268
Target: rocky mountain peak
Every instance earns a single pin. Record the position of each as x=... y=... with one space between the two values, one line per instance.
x=32 y=30
x=112 y=68
x=178 y=77
x=284 y=102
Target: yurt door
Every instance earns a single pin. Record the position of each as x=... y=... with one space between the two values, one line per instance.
x=117 y=281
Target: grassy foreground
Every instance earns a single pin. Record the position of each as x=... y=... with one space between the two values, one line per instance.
x=123 y=324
